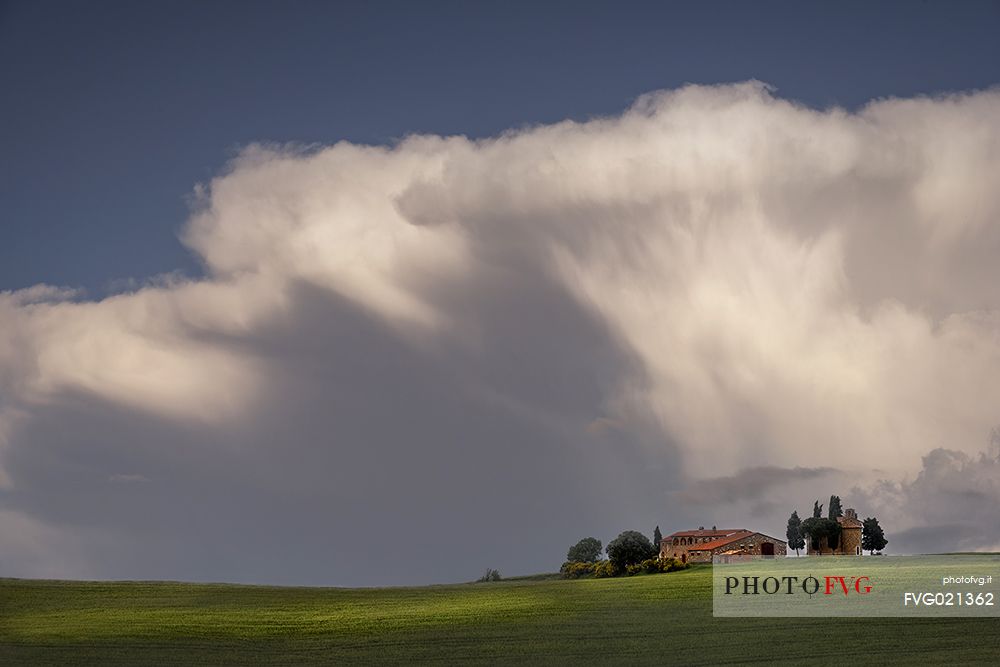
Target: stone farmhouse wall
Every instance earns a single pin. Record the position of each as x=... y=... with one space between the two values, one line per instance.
x=750 y=545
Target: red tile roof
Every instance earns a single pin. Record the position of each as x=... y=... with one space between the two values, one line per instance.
x=705 y=533
x=708 y=546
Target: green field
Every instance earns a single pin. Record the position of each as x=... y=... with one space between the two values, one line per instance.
x=655 y=619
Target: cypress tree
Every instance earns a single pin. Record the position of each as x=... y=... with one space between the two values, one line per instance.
x=794 y=533
x=835 y=509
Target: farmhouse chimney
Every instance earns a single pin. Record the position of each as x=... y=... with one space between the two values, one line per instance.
x=850 y=513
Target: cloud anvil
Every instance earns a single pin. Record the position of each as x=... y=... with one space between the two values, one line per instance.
x=723 y=279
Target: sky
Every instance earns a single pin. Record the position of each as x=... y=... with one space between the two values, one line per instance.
x=390 y=293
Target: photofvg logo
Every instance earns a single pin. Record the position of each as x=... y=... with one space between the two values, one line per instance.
x=789 y=585
x=826 y=586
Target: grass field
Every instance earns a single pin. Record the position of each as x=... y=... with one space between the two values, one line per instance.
x=653 y=619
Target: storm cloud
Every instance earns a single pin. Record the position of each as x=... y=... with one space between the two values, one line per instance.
x=408 y=363
x=950 y=505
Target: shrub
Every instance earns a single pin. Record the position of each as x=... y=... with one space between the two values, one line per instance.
x=603 y=569
x=575 y=569
x=656 y=566
x=673 y=565
x=490 y=575
x=652 y=566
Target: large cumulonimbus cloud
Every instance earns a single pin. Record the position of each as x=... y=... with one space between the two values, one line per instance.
x=555 y=331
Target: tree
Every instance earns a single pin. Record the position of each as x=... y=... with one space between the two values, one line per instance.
x=794 y=533
x=816 y=528
x=833 y=534
x=817 y=510
x=657 y=538
x=587 y=550
x=872 y=537
x=629 y=548
x=835 y=509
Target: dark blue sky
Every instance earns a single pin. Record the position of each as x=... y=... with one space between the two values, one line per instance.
x=112 y=111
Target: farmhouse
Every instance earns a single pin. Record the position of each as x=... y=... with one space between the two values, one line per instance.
x=849 y=543
x=699 y=546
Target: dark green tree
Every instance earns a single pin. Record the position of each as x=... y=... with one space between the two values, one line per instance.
x=872 y=537
x=587 y=550
x=630 y=547
x=816 y=528
x=833 y=534
x=835 y=509
x=817 y=510
x=657 y=538
x=794 y=533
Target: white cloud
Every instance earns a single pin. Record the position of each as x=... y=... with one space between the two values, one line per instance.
x=797 y=288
